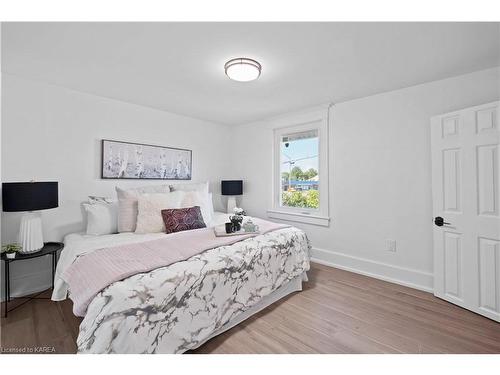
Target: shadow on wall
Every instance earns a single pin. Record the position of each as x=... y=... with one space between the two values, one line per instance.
x=56 y=222
x=61 y=231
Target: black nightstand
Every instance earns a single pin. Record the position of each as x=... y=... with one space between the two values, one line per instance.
x=49 y=248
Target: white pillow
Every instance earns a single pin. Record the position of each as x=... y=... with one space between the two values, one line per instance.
x=149 y=219
x=102 y=218
x=202 y=199
x=211 y=204
x=127 y=204
x=195 y=186
x=96 y=199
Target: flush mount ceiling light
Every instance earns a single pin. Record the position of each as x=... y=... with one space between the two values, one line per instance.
x=242 y=69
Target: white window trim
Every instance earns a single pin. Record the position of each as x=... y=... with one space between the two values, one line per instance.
x=312 y=119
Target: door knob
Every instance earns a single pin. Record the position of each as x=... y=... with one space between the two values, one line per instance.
x=439 y=221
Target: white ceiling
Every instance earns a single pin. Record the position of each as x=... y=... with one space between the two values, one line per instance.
x=178 y=67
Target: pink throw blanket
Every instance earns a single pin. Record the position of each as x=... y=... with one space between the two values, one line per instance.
x=93 y=272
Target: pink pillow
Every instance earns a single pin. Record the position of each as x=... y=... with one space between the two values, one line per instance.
x=179 y=219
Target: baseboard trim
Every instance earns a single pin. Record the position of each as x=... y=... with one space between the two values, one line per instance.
x=399 y=275
x=395 y=274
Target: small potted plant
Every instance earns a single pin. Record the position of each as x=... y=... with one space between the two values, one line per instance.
x=237 y=218
x=11 y=250
x=239 y=211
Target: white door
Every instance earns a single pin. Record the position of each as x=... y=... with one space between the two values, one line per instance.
x=466 y=195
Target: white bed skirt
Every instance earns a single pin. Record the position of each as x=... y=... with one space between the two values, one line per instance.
x=294 y=285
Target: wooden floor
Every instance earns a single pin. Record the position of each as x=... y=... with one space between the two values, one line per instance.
x=337 y=312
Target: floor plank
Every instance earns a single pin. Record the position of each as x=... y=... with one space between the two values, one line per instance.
x=337 y=312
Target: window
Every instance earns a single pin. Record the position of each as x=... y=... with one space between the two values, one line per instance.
x=301 y=169
x=299 y=162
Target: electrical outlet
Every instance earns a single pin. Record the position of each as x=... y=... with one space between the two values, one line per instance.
x=390 y=245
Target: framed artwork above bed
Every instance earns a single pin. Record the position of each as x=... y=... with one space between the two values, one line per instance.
x=128 y=160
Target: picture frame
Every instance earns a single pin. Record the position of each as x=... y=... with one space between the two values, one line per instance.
x=129 y=160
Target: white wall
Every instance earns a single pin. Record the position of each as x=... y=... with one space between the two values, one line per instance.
x=380 y=176
x=52 y=133
x=1 y=207
x=380 y=180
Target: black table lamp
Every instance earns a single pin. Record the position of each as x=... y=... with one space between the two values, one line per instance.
x=231 y=188
x=29 y=196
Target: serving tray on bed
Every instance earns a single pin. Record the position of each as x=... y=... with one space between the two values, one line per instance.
x=220 y=231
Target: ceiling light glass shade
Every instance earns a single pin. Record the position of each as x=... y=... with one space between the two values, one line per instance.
x=242 y=69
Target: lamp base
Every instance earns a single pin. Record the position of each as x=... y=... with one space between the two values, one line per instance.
x=231 y=204
x=30 y=233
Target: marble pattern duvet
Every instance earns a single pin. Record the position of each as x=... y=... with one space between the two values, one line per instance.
x=175 y=308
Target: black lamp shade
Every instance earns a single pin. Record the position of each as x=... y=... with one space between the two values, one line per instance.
x=29 y=196
x=232 y=187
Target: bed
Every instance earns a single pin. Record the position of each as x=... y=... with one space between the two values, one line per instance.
x=179 y=307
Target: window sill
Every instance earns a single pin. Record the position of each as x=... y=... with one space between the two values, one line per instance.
x=299 y=217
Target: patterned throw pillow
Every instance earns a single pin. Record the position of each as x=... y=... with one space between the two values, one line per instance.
x=180 y=219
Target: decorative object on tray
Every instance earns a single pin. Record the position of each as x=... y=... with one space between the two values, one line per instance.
x=229 y=227
x=231 y=188
x=237 y=219
x=11 y=250
x=29 y=196
x=250 y=227
x=239 y=211
x=142 y=161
